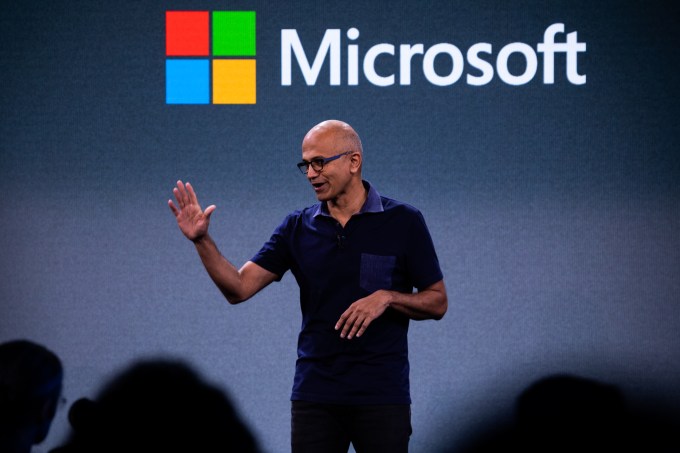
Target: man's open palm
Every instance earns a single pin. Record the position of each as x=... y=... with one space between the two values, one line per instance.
x=191 y=219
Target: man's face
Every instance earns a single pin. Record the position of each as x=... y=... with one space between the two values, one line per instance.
x=332 y=181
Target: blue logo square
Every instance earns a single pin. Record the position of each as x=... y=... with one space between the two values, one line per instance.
x=187 y=81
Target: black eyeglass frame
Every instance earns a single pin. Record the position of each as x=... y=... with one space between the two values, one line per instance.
x=319 y=162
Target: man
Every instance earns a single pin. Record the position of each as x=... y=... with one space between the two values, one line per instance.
x=357 y=257
x=157 y=405
x=30 y=390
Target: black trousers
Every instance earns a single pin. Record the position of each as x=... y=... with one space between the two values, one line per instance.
x=330 y=428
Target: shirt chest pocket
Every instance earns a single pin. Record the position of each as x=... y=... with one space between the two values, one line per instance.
x=376 y=272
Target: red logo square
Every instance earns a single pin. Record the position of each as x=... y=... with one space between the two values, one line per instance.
x=187 y=33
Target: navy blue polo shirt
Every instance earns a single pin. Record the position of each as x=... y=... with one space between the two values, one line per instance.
x=385 y=246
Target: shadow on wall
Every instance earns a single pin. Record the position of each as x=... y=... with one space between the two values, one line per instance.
x=565 y=413
x=157 y=405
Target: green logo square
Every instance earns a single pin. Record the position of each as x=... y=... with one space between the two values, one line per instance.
x=233 y=33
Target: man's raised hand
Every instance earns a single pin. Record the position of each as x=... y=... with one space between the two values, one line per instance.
x=192 y=221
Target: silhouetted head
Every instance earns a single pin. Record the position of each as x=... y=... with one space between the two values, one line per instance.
x=569 y=413
x=158 y=406
x=30 y=388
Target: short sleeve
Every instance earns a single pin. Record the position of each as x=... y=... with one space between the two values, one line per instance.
x=275 y=255
x=422 y=262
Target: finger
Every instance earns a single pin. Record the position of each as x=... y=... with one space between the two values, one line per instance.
x=364 y=326
x=356 y=326
x=191 y=194
x=347 y=328
x=209 y=210
x=173 y=208
x=183 y=199
x=342 y=321
x=178 y=196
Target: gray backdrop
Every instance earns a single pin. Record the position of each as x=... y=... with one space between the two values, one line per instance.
x=554 y=208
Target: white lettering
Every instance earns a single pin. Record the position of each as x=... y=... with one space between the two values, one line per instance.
x=477 y=63
x=572 y=59
x=482 y=67
x=406 y=53
x=369 y=65
x=549 y=47
x=502 y=63
x=352 y=58
x=456 y=71
x=329 y=43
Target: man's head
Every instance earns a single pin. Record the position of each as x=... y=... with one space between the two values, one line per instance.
x=158 y=405
x=30 y=388
x=333 y=155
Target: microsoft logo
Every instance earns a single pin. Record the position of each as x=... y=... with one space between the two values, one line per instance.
x=206 y=54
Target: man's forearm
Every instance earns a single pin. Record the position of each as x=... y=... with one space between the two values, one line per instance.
x=237 y=285
x=222 y=272
x=430 y=303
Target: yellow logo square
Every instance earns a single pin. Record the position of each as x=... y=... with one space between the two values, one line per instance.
x=234 y=81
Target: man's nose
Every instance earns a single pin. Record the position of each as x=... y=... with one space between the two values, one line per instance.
x=311 y=173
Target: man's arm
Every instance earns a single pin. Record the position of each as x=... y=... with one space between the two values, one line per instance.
x=237 y=285
x=430 y=303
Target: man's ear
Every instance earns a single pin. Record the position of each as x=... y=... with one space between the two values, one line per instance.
x=356 y=160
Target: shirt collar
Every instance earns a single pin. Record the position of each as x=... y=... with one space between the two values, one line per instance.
x=373 y=203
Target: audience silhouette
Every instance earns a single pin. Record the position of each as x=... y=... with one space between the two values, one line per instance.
x=30 y=389
x=566 y=413
x=157 y=405
x=154 y=405
x=165 y=405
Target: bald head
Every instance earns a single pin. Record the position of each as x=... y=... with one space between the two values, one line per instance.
x=341 y=134
x=333 y=154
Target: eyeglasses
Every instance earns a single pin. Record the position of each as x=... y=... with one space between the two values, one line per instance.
x=318 y=163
